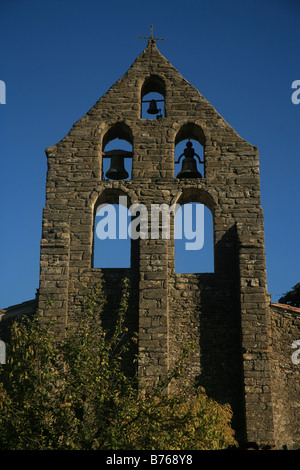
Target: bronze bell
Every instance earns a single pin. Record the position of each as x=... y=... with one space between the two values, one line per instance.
x=189 y=164
x=117 y=170
x=153 y=108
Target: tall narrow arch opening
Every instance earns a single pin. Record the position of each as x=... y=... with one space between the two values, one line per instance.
x=117 y=153
x=189 y=152
x=194 y=242
x=194 y=233
x=111 y=235
x=153 y=98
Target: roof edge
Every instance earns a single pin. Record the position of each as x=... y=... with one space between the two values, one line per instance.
x=285 y=307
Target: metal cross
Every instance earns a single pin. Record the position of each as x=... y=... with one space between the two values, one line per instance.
x=151 y=37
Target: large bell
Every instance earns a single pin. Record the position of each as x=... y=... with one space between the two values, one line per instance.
x=153 y=108
x=117 y=170
x=189 y=164
x=189 y=169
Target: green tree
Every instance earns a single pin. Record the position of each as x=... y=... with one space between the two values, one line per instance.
x=74 y=394
x=292 y=297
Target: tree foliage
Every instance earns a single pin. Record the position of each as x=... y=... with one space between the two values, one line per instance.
x=73 y=393
x=292 y=297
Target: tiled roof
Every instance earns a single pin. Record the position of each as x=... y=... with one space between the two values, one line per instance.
x=286 y=307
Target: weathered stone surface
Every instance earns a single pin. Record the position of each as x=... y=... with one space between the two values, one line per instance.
x=226 y=313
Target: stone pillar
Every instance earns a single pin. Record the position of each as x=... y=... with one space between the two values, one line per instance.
x=54 y=270
x=255 y=334
x=153 y=310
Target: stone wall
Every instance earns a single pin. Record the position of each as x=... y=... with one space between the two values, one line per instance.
x=285 y=375
x=204 y=311
x=226 y=313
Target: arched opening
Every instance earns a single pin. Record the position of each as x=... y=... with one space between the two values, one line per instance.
x=112 y=241
x=194 y=240
x=153 y=98
x=117 y=153
x=189 y=152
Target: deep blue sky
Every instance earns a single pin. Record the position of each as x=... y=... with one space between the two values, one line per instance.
x=60 y=56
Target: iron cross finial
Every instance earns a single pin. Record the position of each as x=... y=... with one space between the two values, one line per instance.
x=151 y=37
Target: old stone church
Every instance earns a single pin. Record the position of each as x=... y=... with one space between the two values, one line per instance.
x=243 y=341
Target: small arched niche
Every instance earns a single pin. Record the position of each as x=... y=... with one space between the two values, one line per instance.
x=194 y=233
x=117 y=153
x=111 y=237
x=189 y=152
x=153 y=98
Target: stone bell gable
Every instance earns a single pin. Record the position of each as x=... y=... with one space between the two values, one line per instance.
x=225 y=313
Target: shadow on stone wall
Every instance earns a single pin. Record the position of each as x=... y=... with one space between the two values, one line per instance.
x=113 y=280
x=220 y=331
